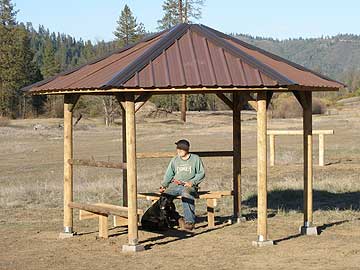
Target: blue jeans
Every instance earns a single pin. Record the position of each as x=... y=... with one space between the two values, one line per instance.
x=187 y=197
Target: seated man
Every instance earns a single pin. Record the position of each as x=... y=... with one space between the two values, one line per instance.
x=183 y=175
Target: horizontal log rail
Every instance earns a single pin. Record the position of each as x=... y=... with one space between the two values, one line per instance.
x=299 y=132
x=106 y=210
x=320 y=133
x=94 y=163
x=171 y=154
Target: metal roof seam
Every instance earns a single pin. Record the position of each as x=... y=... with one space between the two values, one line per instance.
x=152 y=75
x=282 y=80
x=180 y=61
x=209 y=60
x=167 y=72
x=242 y=71
x=193 y=54
x=155 y=50
x=226 y=66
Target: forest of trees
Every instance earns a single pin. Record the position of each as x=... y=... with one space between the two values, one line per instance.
x=29 y=54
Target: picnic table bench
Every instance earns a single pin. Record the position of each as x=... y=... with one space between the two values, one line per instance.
x=211 y=198
x=103 y=211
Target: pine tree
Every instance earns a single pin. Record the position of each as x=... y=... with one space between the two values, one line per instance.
x=128 y=30
x=7 y=13
x=17 y=68
x=177 y=11
x=50 y=65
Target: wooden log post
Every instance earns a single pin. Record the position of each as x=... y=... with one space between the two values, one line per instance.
x=305 y=99
x=321 y=150
x=272 y=149
x=308 y=165
x=262 y=170
x=124 y=174
x=210 y=207
x=69 y=104
x=183 y=107
x=133 y=242
x=237 y=156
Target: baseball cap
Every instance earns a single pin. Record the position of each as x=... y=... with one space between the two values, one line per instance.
x=183 y=145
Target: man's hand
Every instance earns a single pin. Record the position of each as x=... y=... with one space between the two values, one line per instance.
x=177 y=182
x=161 y=189
x=188 y=184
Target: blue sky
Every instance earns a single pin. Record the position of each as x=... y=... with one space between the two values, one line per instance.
x=96 y=19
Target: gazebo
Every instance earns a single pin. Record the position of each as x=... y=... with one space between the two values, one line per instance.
x=187 y=59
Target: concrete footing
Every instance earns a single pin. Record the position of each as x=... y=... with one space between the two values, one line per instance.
x=132 y=248
x=262 y=243
x=308 y=230
x=64 y=235
x=240 y=219
x=234 y=220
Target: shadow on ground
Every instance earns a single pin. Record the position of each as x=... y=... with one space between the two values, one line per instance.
x=290 y=199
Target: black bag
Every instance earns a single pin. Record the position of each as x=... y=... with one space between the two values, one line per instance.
x=162 y=215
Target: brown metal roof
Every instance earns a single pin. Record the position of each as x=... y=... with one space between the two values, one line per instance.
x=187 y=55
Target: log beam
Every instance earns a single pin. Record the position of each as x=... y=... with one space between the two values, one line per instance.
x=226 y=100
x=237 y=156
x=172 y=154
x=262 y=170
x=183 y=107
x=307 y=228
x=141 y=100
x=131 y=172
x=124 y=174
x=93 y=163
x=69 y=105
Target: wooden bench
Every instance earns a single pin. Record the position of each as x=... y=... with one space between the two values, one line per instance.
x=103 y=211
x=210 y=196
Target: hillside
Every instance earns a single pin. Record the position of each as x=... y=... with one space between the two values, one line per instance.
x=337 y=56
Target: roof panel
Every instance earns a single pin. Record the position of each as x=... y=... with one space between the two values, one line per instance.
x=187 y=56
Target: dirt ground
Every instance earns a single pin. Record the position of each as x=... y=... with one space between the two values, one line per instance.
x=31 y=196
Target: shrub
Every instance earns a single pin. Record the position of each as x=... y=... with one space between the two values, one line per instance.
x=289 y=107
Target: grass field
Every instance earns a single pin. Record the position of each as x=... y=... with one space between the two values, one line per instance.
x=31 y=166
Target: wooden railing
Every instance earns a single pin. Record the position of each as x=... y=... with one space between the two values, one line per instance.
x=320 y=133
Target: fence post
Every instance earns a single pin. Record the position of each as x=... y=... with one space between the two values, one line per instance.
x=272 y=150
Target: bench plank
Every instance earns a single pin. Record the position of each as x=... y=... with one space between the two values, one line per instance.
x=102 y=209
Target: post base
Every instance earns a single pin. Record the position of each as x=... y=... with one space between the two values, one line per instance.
x=263 y=243
x=132 y=248
x=308 y=230
x=240 y=219
x=234 y=220
x=64 y=235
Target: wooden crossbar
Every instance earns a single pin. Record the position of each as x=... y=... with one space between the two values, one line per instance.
x=93 y=163
x=299 y=132
x=171 y=154
x=103 y=209
x=320 y=133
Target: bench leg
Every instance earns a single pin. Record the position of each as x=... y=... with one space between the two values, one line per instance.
x=211 y=203
x=103 y=226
